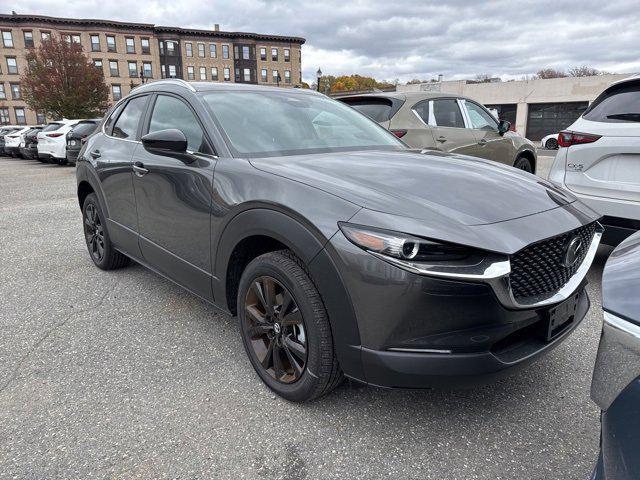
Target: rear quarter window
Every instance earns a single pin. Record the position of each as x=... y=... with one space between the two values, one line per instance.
x=617 y=104
x=378 y=109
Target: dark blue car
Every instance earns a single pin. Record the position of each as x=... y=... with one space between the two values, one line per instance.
x=616 y=378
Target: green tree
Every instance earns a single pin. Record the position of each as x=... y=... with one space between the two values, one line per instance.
x=61 y=81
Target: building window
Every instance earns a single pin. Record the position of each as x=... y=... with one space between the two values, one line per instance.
x=98 y=64
x=201 y=50
x=237 y=74
x=146 y=70
x=287 y=76
x=275 y=76
x=191 y=73
x=15 y=91
x=116 y=92
x=287 y=55
x=95 y=43
x=263 y=54
x=12 y=65
x=20 y=116
x=4 y=116
x=71 y=38
x=225 y=51
x=111 y=43
x=172 y=71
x=227 y=74
x=133 y=69
x=203 y=73
x=40 y=118
x=3 y=94
x=130 y=44
x=28 y=39
x=7 y=39
x=214 y=74
x=213 y=50
x=45 y=36
x=146 y=46
x=274 y=54
x=246 y=54
x=189 y=48
x=171 y=48
x=263 y=75
x=246 y=75
x=113 y=68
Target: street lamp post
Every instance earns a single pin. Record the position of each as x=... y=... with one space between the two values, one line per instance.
x=318 y=76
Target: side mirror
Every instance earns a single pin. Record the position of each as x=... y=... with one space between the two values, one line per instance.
x=167 y=141
x=503 y=127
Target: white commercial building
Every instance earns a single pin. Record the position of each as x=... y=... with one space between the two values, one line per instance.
x=534 y=107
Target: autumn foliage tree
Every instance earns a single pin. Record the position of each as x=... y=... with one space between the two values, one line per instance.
x=62 y=82
x=350 y=83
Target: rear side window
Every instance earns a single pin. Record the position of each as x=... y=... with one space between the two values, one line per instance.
x=446 y=113
x=378 y=109
x=84 y=128
x=127 y=124
x=169 y=112
x=617 y=104
x=52 y=127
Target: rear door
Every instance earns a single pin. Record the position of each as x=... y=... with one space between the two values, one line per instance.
x=609 y=166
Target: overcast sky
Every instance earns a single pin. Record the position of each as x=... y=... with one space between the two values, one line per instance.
x=406 y=39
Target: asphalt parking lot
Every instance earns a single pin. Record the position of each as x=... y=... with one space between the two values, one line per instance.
x=122 y=374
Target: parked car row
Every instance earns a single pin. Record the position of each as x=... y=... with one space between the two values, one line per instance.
x=57 y=142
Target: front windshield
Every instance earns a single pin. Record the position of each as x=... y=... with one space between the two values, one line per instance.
x=274 y=123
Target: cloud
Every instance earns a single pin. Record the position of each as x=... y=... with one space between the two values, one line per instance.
x=408 y=39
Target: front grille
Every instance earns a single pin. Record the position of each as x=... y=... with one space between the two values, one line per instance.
x=538 y=269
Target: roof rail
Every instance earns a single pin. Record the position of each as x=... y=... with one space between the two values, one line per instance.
x=174 y=81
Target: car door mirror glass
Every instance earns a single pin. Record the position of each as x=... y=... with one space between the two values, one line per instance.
x=165 y=142
x=503 y=127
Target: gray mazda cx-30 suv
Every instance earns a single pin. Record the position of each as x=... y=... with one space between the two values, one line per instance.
x=342 y=252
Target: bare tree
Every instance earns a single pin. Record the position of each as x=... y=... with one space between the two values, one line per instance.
x=550 y=73
x=584 y=71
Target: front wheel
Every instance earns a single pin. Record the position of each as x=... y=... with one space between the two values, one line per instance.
x=101 y=250
x=285 y=328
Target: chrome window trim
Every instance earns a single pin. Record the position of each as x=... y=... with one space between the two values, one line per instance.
x=618 y=359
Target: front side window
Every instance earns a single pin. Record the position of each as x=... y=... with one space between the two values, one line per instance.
x=480 y=118
x=446 y=113
x=21 y=119
x=214 y=73
x=133 y=69
x=170 y=112
x=131 y=46
x=116 y=92
x=111 y=43
x=225 y=51
x=201 y=50
x=146 y=46
x=95 y=43
x=203 y=73
x=113 y=68
x=188 y=46
x=263 y=53
x=213 y=50
x=7 y=39
x=127 y=124
x=190 y=73
x=286 y=123
x=274 y=54
x=617 y=104
x=12 y=65
x=28 y=39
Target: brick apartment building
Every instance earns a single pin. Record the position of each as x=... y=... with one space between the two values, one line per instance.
x=126 y=52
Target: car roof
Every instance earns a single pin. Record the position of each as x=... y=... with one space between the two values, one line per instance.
x=411 y=97
x=218 y=86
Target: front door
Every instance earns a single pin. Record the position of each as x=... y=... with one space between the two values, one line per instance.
x=490 y=144
x=449 y=130
x=173 y=196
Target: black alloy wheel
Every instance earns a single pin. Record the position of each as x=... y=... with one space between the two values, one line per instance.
x=523 y=163
x=94 y=233
x=551 y=144
x=275 y=330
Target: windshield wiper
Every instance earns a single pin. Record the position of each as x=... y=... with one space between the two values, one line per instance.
x=631 y=117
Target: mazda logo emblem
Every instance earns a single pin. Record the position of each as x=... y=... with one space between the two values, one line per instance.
x=572 y=251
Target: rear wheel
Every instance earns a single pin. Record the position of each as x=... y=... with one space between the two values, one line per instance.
x=551 y=144
x=523 y=163
x=101 y=250
x=285 y=328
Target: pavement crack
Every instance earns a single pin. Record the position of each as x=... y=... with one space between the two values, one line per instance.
x=52 y=329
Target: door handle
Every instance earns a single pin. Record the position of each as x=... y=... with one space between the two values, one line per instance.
x=482 y=142
x=441 y=139
x=95 y=154
x=139 y=170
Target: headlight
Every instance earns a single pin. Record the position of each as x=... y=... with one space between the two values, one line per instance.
x=402 y=246
x=427 y=257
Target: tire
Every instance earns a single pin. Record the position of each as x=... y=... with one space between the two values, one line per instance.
x=303 y=325
x=551 y=144
x=523 y=163
x=96 y=235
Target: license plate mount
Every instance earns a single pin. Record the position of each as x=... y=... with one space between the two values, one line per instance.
x=561 y=317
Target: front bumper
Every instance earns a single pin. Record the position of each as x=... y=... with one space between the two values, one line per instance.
x=72 y=155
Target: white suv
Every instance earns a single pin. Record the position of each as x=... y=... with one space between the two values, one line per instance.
x=52 y=141
x=599 y=159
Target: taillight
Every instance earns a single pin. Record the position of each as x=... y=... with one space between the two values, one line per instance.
x=399 y=133
x=566 y=139
x=54 y=135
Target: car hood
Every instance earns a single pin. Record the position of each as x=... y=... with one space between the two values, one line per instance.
x=467 y=190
